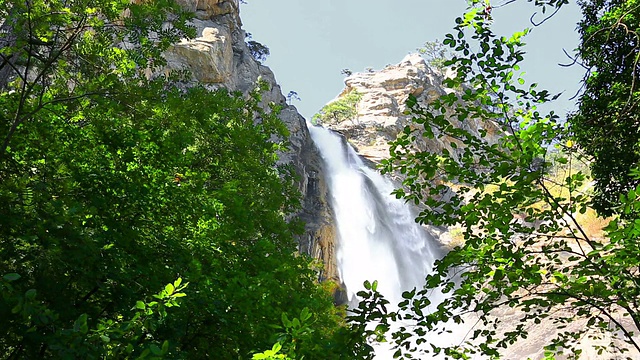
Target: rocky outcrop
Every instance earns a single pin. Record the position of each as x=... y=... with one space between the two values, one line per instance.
x=381 y=109
x=206 y=9
x=218 y=57
x=211 y=53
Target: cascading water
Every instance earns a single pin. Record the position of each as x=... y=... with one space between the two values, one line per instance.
x=378 y=237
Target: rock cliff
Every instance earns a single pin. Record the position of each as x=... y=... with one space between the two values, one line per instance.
x=219 y=57
x=380 y=111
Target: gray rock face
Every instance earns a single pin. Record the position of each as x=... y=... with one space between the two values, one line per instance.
x=219 y=58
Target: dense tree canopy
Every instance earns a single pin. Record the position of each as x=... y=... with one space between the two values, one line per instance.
x=606 y=124
x=140 y=219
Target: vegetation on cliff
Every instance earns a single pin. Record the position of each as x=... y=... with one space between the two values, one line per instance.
x=341 y=109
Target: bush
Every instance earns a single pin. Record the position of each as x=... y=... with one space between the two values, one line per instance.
x=342 y=109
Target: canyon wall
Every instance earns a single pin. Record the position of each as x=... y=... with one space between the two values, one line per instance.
x=219 y=57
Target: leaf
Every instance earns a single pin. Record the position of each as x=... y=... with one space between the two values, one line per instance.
x=144 y=354
x=11 y=277
x=411 y=101
x=367 y=285
x=30 y=294
x=305 y=314
x=285 y=320
x=80 y=325
x=169 y=289
x=16 y=309
x=155 y=349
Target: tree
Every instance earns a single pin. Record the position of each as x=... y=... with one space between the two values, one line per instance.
x=115 y=184
x=522 y=204
x=606 y=123
x=346 y=72
x=258 y=51
x=342 y=109
x=436 y=53
x=292 y=95
x=51 y=40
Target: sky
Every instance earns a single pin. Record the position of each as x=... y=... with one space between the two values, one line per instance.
x=311 y=41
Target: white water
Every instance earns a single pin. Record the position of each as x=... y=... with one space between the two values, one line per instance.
x=378 y=237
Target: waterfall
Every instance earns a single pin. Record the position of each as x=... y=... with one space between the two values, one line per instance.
x=378 y=237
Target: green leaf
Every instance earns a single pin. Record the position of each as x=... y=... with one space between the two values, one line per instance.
x=367 y=285
x=285 y=320
x=16 y=309
x=155 y=350
x=169 y=289
x=80 y=325
x=11 y=277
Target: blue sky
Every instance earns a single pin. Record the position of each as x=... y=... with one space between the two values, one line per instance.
x=312 y=41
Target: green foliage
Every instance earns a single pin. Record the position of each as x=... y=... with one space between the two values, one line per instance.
x=297 y=335
x=606 y=123
x=524 y=249
x=371 y=317
x=342 y=109
x=271 y=354
x=117 y=338
x=114 y=184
